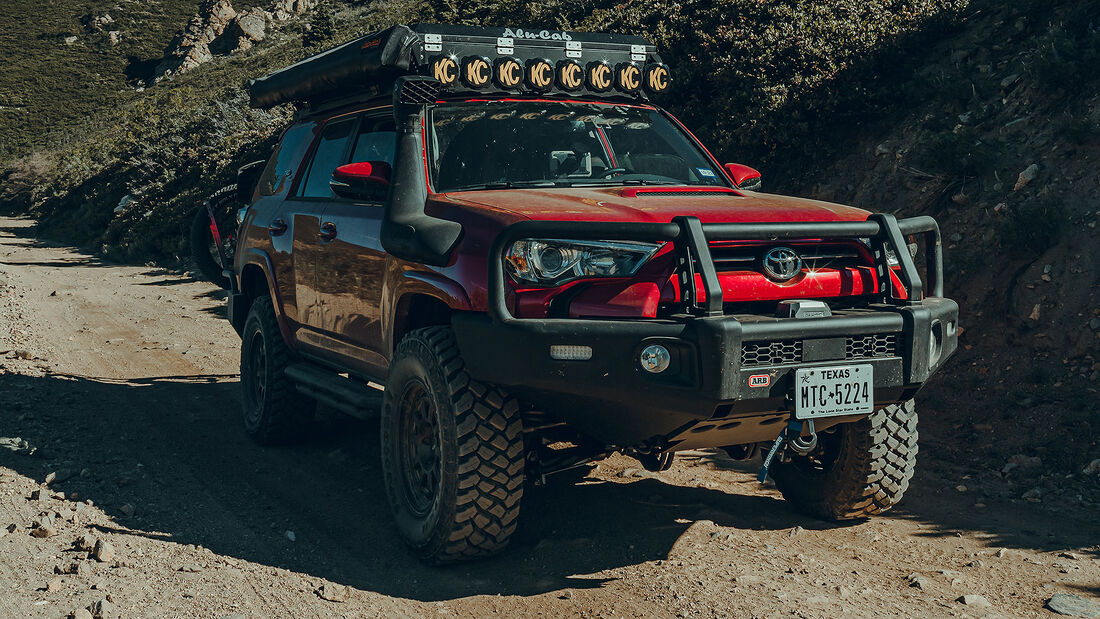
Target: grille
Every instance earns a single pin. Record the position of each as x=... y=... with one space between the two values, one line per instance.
x=784 y=352
x=868 y=346
x=816 y=256
x=771 y=353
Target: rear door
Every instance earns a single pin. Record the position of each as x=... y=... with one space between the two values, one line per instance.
x=353 y=261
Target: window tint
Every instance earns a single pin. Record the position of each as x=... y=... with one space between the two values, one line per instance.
x=376 y=141
x=280 y=169
x=328 y=156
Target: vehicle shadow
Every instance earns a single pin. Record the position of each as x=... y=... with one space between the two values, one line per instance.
x=172 y=447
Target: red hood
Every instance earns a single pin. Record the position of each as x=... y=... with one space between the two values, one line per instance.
x=652 y=204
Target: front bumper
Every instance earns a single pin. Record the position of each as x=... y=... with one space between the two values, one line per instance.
x=704 y=397
x=611 y=398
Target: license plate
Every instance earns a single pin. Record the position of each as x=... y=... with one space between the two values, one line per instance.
x=832 y=391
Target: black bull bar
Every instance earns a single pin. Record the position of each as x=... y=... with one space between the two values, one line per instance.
x=690 y=238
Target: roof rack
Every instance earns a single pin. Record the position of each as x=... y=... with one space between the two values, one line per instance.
x=470 y=59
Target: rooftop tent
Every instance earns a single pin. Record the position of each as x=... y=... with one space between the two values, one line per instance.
x=478 y=59
x=360 y=64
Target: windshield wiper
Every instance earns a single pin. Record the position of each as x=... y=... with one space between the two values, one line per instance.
x=506 y=185
x=625 y=181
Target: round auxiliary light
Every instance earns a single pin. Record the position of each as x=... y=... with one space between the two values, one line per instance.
x=656 y=78
x=476 y=71
x=444 y=69
x=655 y=358
x=508 y=73
x=570 y=75
x=539 y=74
x=628 y=77
x=600 y=76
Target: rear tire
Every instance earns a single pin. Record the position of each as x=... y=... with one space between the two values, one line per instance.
x=860 y=470
x=452 y=452
x=274 y=411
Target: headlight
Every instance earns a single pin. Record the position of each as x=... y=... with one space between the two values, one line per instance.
x=549 y=263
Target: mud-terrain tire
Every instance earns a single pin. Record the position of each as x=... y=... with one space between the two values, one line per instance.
x=274 y=411
x=861 y=469
x=202 y=253
x=452 y=452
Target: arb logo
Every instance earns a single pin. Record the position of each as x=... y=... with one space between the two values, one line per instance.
x=760 y=380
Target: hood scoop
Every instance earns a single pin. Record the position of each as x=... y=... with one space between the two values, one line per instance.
x=664 y=192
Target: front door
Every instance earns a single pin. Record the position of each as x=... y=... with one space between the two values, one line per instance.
x=354 y=262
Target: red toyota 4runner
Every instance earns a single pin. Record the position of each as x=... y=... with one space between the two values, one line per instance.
x=543 y=268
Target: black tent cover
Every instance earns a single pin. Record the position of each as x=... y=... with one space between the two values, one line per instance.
x=371 y=63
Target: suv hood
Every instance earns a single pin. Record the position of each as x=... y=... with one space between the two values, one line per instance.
x=655 y=204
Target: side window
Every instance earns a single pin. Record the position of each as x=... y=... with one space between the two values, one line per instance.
x=328 y=156
x=376 y=141
x=279 y=172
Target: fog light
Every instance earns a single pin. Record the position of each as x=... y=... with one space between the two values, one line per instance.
x=568 y=352
x=655 y=358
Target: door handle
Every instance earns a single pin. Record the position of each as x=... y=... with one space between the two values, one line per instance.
x=277 y=227
x=328 y=231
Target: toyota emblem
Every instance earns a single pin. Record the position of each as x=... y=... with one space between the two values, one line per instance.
x=781 y=264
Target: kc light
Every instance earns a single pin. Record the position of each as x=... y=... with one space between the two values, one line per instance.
x=444 y=69
x=508 y=73
x=539 y=74
x=570 y=75
x=656 y=78
x=550 y=263
x=599 y=76
x=476 y=71
x=628 y=77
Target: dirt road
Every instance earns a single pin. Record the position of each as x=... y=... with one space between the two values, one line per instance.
x=121 y=382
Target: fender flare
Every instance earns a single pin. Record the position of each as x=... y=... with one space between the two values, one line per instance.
x=259 y=258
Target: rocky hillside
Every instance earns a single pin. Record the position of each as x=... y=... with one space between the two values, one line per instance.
x=1000 y=143
x=984 y=114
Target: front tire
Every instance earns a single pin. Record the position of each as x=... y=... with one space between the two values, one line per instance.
x=861 y=469
x=452 y=452
x=274 y=411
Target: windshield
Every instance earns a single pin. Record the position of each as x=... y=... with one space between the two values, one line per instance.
x=497 y=144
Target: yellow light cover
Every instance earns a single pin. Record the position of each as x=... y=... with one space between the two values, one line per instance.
x=656 y=78
x=601 y=77
x=444 y=69
x=476 y=71
x=570 y=75
x=628 y=77
x=539 y=74
x=508 y=73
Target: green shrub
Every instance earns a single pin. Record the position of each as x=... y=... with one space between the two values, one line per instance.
x=322 y=25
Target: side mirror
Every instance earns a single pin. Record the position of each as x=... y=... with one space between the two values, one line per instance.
x=744 y=177
x=366 y=180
